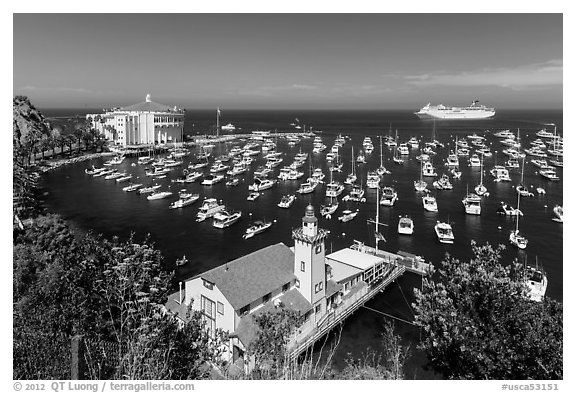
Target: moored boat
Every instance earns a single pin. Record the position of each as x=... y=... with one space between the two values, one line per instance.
x=210 y=206
x=405 y=226
x=225 y=218
x=444 y=232
x=256 y=228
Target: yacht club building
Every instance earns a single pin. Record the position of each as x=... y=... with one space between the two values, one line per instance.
x=144 y=123
x=323 y=289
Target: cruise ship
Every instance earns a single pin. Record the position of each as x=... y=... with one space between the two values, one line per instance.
x=474 y=111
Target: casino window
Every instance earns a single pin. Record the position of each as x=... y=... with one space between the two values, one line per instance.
x=302 y=266
x=318 y=308
x=318 y=248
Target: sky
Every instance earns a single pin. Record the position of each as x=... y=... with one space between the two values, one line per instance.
x=289 y=61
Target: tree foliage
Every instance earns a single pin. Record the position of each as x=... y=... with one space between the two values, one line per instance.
x=108 y=291
x=478 y=323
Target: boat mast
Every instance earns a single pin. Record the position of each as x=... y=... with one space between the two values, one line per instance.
x=517 y=215
x=353 y=167
x=381 y=165
x=377 y=233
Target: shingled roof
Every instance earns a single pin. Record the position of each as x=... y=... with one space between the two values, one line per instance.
x=253 y=276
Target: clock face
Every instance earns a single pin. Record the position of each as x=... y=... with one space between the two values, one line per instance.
x=318 y=248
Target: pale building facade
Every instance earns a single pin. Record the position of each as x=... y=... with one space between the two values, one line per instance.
x=147 y=123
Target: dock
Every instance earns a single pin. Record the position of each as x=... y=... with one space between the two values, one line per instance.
x=378 y=270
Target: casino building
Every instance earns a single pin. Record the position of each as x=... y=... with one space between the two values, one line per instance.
x=146 y=122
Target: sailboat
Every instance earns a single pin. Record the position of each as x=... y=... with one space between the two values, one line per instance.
x=520 y=188
x=397 y=159
x=328 y=210
x=351 y=178
x=515 y=238
x=381 y=170
x=420 y=185
x=480 y=188
x=536 y=281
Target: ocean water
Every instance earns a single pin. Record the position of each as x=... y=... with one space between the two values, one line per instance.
x=100 y=205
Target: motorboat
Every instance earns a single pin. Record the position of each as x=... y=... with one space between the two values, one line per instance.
x=559 y=213
x=472 y=204
x=523 y=191
x=456 y=173
x=508 y=210
x=372 y=180
x=228 y=127
x=429 y=203
x=149 y=189
x=94 y=170
x=132 y=187
x=225 y=218
x=327 y=210
x=158 y=171
x=210 y=180
x=334 y=189
x=252 y=196
x=540 y=191
x=233 y=182
x=500 y=173
x=114 y=175
x=443 y=183
x=261 y=184
x=295 y=174
x=209 y=208
x=444 y=232
x=413 y=142
x=474 y=160
x=159 y=195
x=405 y=226
x=287 y=201
x=219 y=167
x=192 y=177
x=262 y=172
x=513 y=163
x=307 y=187
x=186 y=199
x=428 y=170
x=452 y=160
x=256 y=228
x=506 y=134
x=355 y=195
x=549 y=174
x=389 y=196
x=237 y=169
x=403 y=149
x=420 y=185
x=348 y=215
x=123 y=179
x=115 y=161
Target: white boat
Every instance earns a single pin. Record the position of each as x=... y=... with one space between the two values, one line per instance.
x=307 y=187
x=480 y=188
x=132 y=187
x=328 y=210
x=429 y=203
x=355 y=195
x=256 y=228
x=233 y=182
x=226 y=218
x=115 y=161
x=472 y=204
x=123 y=178
x=348 y=215
x=506 y=134
x=192 y=177
x=94 y=170
x=520 y=188
x=403 y=149
x=413 y=142
x=559 y=213
x=444 y=232
x=157 y=171
x=474 y=111
x=147 y=190
x=500 y=173
x=537 y=282
x=456 y=173
x=261 y=184
x=443 y=183
x=513 y=163
x=252 y=196
x=287 y=201
x=159 y=195
x=219 y=167
x=114 y=175
x=389 y=196
x=540 y=191
x=209 y=208
x=185 y=200
x=334 y=189
x=405 y=226
x=474 y=160
x=210 y=180
x=515 y=237
x=381 y=171
x=549 y=174
x=508 y=210
x=420 y=185
x=429 y=170
x=228 y=127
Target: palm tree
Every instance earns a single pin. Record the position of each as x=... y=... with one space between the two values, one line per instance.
x=70 y=140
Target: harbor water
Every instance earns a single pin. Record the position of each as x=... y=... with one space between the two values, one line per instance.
x=93 y=203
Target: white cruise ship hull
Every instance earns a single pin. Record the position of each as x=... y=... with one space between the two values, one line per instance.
x=454 y=113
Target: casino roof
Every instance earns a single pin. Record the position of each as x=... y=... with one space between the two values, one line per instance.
x=253 y=276
x=150 y=106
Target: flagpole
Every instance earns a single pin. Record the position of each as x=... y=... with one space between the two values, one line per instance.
x=217 y=121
